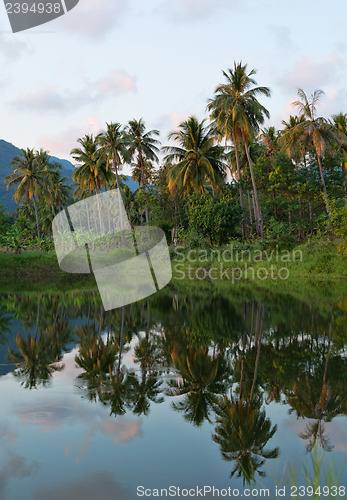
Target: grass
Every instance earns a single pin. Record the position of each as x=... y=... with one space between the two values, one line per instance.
x=311 y=267
x=316 y=259
x=321 y=475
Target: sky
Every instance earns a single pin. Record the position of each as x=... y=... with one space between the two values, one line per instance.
x=115 y=60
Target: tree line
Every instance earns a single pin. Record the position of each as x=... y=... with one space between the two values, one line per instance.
x=284 y=184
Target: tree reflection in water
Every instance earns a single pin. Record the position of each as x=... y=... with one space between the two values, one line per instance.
x=219 y=359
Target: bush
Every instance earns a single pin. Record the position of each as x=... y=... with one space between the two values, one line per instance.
x=216 y=218
x=278 y=234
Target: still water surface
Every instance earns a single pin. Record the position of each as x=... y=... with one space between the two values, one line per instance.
x=186 y=389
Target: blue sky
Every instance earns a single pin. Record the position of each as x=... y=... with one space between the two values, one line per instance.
x=114 y=60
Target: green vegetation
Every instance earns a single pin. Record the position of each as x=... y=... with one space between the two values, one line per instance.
x=288 y=187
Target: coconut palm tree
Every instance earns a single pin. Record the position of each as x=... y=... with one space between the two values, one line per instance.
x=316 y=130
x=90 y=171
x=340 y=122
x=30 y=179
x=289 y=143
x=142 y=146
x=197 y=160
x=203 y=378
x=113 y=146
x=238 y=114
x=243 y=431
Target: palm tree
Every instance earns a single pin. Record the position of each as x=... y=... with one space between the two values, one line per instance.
x=317 y=131
x=90 y=171
x=238 y=114
x=242 y=431
x=340 y=122
x=198 y=158
x=142 y=146
x=113 y=146
x=203 y=379
x=53 y=178
x=289 y=143
x=30 y=179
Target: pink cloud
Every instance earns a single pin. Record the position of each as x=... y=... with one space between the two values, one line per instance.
x=62 y=143
x=309 y=74
x=50 y=98
x=115 y=82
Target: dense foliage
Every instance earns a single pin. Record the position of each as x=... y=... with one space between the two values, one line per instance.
x=275 y=185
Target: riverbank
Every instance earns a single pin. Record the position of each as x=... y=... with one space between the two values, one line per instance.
x=236 y=262
x=317 y=260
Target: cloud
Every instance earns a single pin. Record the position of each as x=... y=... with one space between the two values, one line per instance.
x=171 y=121
x=89 y=488
x=60 y=412
x=15 y=468
x=309 y=74
x=62 y=142
x=7 y=435
x=12 y=49
x=332 y=102
x=115 y=83
x=196 y=10
x=283 y=37
x=94 y=19
x=52 y=99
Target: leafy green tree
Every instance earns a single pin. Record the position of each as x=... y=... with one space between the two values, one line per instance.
x=216 y=218
x=5 y=220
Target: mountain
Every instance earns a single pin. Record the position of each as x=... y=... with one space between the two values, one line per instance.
x=8 y=151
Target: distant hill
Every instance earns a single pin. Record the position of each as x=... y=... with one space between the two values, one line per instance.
x=8 y=151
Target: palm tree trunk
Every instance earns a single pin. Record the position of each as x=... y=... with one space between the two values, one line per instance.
x=37 y=319
x=324 y=187
x=255 y=216
x=143 y=186
x=121 y=340
x=260 y=335
x=37 y=218
x=99 y=212
x=250 y=214
x=240 y=187
x=260 y=221
x=299 y=197
x=310 y=214
x=119 y=201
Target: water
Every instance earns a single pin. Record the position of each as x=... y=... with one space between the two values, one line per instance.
x=206 y=387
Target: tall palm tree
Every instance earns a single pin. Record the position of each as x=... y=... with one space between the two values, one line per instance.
x=113 y=146
x=198 y=159
x=53 y=177
x=91 y=172
x=317 y=131
x=30 y=179
x=243 y=431
x=340 y=122
x=238 y=114
x=289 y=143
x=142 y=146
